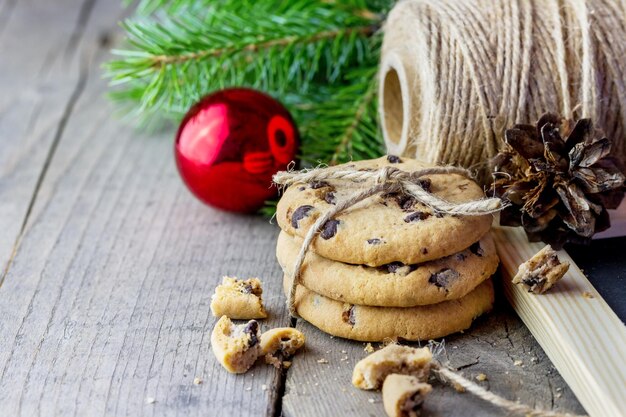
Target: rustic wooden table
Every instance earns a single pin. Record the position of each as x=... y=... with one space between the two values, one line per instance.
x=108 y=263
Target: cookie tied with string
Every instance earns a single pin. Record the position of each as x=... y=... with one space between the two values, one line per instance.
x=559 y=179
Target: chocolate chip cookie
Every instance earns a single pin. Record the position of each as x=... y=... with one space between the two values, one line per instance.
x=372 y=324
x=394 y=284
x=384 y=228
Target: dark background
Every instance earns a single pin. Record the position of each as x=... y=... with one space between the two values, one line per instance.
x=604 y=263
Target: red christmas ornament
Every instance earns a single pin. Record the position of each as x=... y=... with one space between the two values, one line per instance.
x=230 y=144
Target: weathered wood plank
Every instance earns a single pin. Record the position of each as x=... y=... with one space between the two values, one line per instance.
x=491 y=347
x=40 y=78
x=106 y=302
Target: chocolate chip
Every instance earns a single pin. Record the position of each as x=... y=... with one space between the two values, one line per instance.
x=416 y=401
x=330 y=198
x=461 y=256
x=374 y=241
x=476 y=249
x=424 y=183
x=533 y=282
x=393 y=159
x=246 y=289
x=463 y=186
x=347 y=315
x=329 y=229
x=252 y=329
x=424 y=251
x=301 y=188
x=405 y=202
x=300 y=213
x=439 y=214
x=399 y=267
x=442 y=278
x=416 y=216
x=394 y=266
x=318 y=184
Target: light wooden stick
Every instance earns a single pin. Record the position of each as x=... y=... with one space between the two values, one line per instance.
x=582 y=336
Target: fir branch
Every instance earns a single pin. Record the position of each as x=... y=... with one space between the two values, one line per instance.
x=341 y=123
x=347 y=137
x=159 y=60
x=274 y=46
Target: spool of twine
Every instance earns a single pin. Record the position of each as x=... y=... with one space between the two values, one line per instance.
x=456 y=73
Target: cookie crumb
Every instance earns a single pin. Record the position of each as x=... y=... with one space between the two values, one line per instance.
x=518 y=363
x=371 y=400
x=280 y=343
x=322 y=360
x=197 y=381
x=150 y=400
x=588 y=295
x=458 y=387
x=287 y=364
x=274 y=361
x=481 y=377
x=541 y=271
x=238 y=299
x=264 y=387
x=369 y=348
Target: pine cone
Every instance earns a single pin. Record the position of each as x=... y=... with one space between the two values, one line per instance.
x=558 y=190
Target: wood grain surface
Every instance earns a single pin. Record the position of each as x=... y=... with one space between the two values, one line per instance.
x=108 y=263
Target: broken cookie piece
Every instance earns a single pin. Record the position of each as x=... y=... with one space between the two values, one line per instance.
x=370 y=372
x=403 y=395
x=541 y=272
x=239 y=299
x=236 y=347
x=279 y=344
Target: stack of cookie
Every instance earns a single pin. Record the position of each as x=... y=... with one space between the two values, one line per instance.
x=389 y=266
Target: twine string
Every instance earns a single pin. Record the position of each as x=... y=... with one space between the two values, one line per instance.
x=449 y=376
